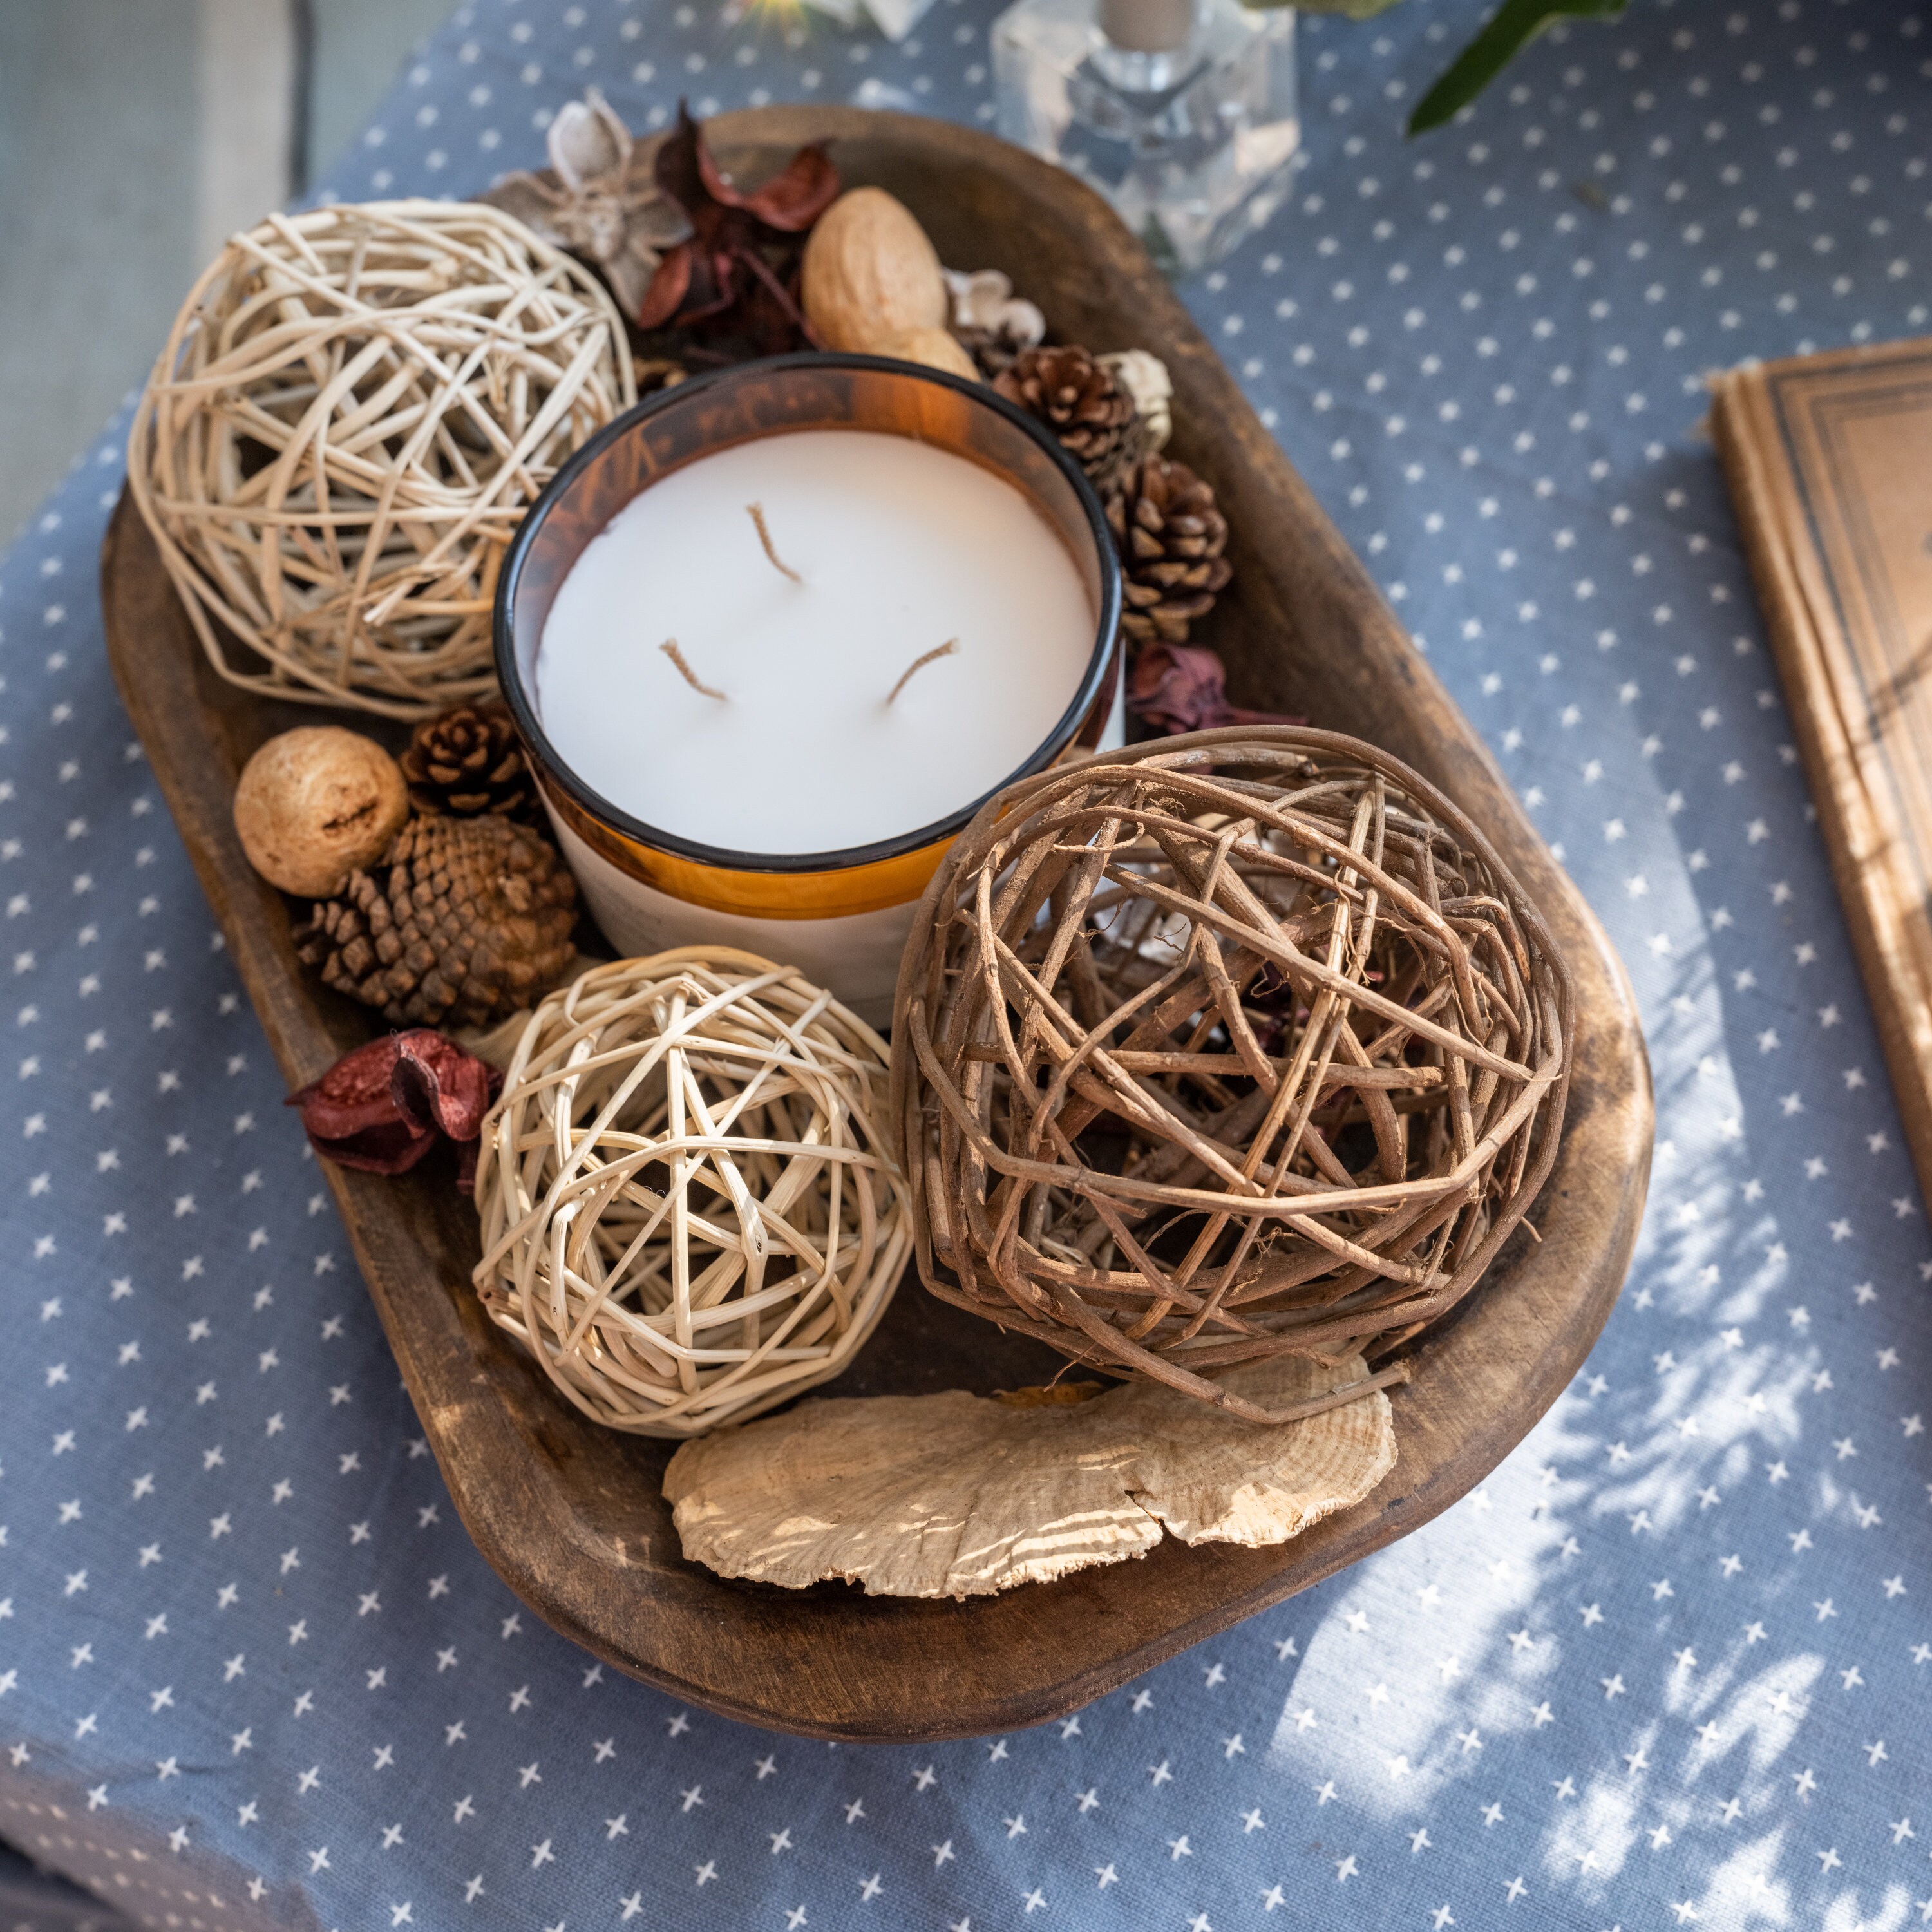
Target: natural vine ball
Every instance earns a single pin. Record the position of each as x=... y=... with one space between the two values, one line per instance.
x=354 y=410
x=1241 y=1044
x=690 y=1212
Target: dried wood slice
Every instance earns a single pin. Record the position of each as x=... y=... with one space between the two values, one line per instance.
x=955 y=1495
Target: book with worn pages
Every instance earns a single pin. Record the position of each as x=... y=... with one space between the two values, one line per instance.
x=1829 y=461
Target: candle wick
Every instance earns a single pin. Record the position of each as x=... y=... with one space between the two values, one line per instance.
x=671 y=650
x=757 y=512
x=945 y=650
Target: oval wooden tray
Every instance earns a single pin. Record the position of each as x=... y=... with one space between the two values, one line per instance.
x=569 y=1515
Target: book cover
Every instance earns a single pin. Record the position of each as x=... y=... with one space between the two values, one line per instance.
x=1829 y=461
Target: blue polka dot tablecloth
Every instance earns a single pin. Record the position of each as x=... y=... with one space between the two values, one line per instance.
x=1670 y=1665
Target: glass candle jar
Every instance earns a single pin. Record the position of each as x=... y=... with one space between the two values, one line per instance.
x=771 y=640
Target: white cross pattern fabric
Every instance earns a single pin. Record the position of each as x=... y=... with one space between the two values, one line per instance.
x=1668 y=1666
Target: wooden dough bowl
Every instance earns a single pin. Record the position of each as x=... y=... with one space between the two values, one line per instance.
x=571 y=1515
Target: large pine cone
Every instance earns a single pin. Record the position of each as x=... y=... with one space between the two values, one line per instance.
x=1171 y=537
x=1079 y=400
x=463 y=921
x=468 y=761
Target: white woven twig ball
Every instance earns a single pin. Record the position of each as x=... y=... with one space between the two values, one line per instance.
x=690 y=1210
x=354 y=409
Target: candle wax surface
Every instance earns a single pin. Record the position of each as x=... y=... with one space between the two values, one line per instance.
x=900 y=547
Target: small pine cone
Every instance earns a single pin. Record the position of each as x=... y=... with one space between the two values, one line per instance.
x=1079 y=400
x=463 y=921
x=992 y=354
x=1171 y=537
x=467 y=761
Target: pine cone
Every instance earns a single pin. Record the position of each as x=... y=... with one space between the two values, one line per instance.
x=1093 y=416
x=467 y=761
x=463 y=921
x=992 y=354
x=1171 y=537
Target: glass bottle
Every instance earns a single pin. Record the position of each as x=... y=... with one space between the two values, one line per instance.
x=1182 y=112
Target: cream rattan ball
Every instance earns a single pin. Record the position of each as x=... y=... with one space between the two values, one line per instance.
x=689 y=1211
x=354 y=409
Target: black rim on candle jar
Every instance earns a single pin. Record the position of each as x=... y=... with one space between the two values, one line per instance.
x=743 y=403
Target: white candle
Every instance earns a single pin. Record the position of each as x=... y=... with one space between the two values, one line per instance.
x=898 y=549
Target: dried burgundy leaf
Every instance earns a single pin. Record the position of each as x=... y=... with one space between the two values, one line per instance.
x=1181 y=687
x=387 y=1147
x=351 y=1115
x=383 y=1107
x=791 y=201
x=669 y=285
x=677 y=170
x=353 y=1094
x=737 y=273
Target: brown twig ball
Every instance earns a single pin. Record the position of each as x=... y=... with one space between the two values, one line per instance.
x=317 y=804
x=1241 y=1045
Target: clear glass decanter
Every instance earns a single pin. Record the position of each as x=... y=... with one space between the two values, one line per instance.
x=1182 y=112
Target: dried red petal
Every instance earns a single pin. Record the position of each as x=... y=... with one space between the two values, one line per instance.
x=383 y=1107
x=731 y=276
x=437 y=1087
x=665 y=296
x=1181 y=687
x=710 y=289
x=391 y=1148
x=792 y=200
x=353 y=1094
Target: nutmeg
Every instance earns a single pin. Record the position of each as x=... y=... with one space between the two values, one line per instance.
x=870 y=273
x=315 y=805
x=936 y=348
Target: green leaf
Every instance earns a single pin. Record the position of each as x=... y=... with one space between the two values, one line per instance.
x=1514 y=24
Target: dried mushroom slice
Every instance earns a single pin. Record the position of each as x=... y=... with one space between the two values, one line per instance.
x=955 y=1495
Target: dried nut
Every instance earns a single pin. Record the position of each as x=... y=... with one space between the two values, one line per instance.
x=870 y=273
x=316 y=804
x=937 y=348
